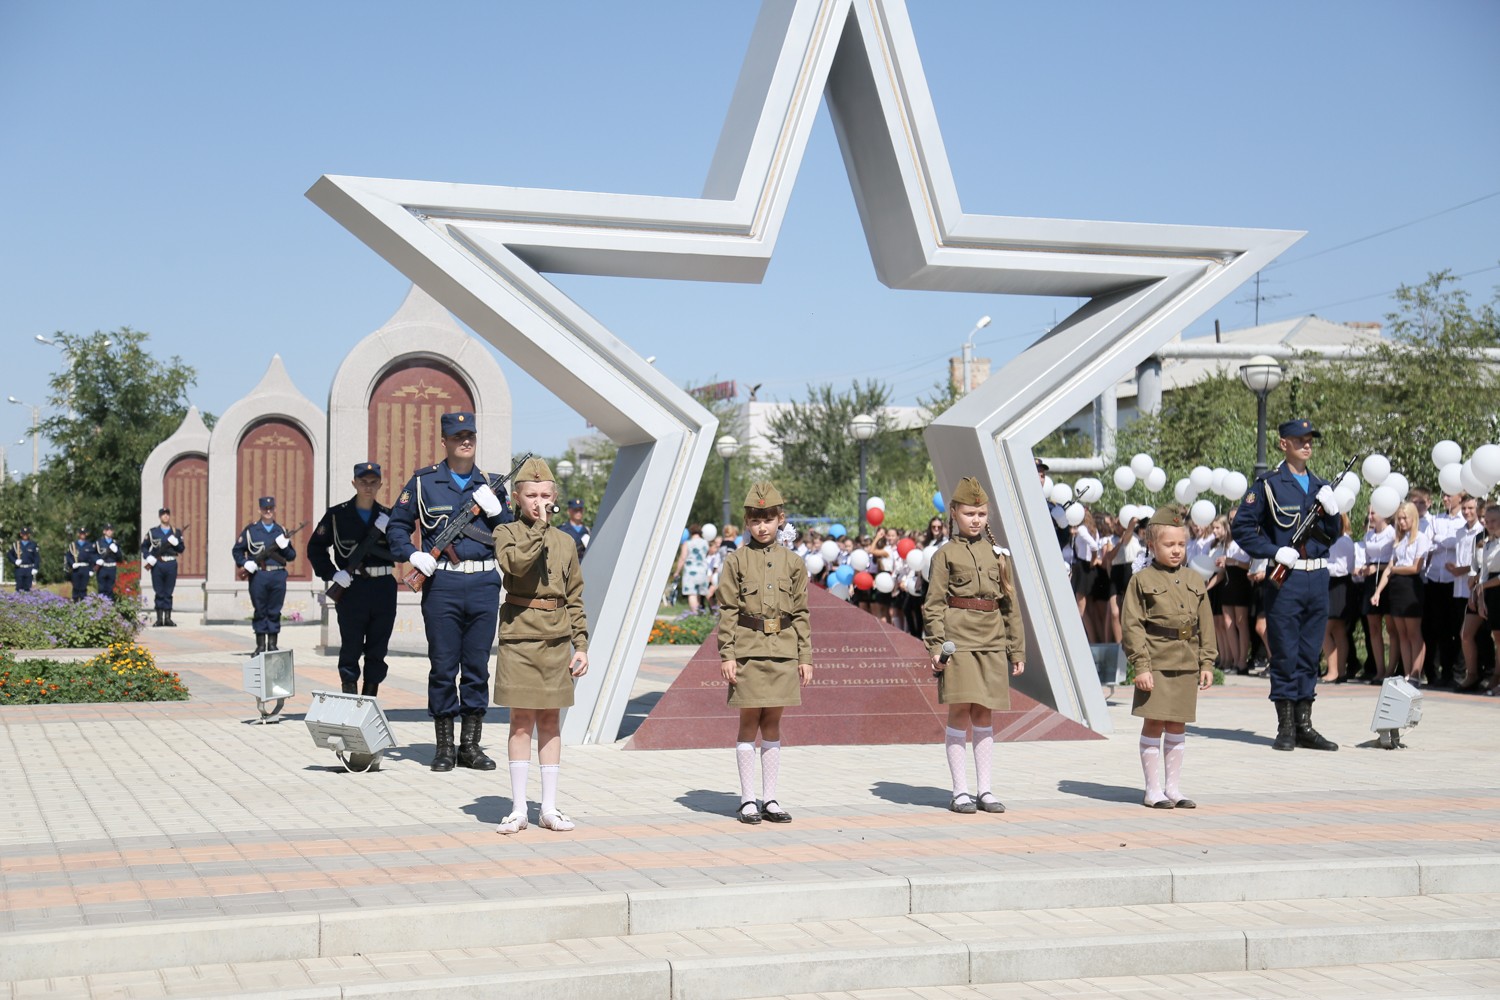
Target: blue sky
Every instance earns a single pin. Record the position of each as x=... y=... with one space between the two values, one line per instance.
x=156 y=155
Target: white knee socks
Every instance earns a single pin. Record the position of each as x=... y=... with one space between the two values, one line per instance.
x=744 y=757
x=1151 y=768
x=518 y=773
x=550 y=773
x=770 y=768
x=984 y=748
x=955 y=747
x=1173 y=756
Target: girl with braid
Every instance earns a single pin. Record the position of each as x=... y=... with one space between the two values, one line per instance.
x=971 y=603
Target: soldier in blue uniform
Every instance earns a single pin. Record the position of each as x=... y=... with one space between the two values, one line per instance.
x=263 y=550
x=159 y=551
x=367 y=608
x=80 y=564
x=1297 y=611
x=106 y=562
x=575 y=527
x=461 y=599
x=26 y=559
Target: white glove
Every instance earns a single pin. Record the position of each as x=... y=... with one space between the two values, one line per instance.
x=113 y=547
x=423 y=561
x=98 y=562
x=1327 y=500
x=171 y=539
x=585 y=540
x=1059 y=517
x=381 y=521
x=250 y=566
x=343 y=579
x=282 y=541
x=150 y=560
x=487 y=501
x=1287 y=556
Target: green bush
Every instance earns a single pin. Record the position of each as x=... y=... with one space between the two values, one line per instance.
x=43 y=620
x=123 y=672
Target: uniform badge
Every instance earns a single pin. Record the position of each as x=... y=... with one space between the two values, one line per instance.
x=403 y=498
x=322 y=530
x=1250 y=497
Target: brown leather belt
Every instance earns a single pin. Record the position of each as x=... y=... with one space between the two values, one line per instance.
x=540 y=603
x=770 y=626
x=1167 y=632
x=973 y=603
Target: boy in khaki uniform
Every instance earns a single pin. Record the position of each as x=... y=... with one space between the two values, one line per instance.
x=765 y=649
x=972 y=604
x=1168 y=632
x=544 y=639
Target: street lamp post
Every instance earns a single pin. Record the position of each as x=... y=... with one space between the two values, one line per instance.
x=968 y=351
x=726 y=446
x=36 y=421
x=1261 y=374
x=862 y=428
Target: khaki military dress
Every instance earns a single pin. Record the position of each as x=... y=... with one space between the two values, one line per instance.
x=763 y=624
x=1168 y=631
x=541 y=615
x=988 y=639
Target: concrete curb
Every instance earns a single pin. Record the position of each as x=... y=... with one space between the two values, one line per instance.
x=940 y=963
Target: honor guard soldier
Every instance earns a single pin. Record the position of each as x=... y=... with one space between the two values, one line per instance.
x=159 y=551
x=575 y=527
x=81 y=555
x=25 y=557
x=1297 y=611
x=461 y=599
x=106 y=562
x=262 y=550
x=362 y=566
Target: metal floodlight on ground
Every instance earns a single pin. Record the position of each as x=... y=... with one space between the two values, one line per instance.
x=1400 y=706
x=1109 y=663
x=270 y=677
x=352 y=726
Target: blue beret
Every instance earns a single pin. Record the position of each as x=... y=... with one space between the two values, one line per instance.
x=1298 y=428
x=267 y=502
x=366 y=469
x=453 y=423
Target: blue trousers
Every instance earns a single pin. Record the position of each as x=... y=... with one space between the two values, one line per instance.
x=164 y=582
x=1296 y=618
x=367 y=614
x=461 y=612
x=80 y=580
x=23 y=579
x=267 y=593
x=107 y=581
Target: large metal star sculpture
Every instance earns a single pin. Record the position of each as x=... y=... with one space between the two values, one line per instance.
x=481 y=251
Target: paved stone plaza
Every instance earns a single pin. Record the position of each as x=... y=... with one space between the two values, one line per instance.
x=180 y=850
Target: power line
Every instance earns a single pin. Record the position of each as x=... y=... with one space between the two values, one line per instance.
x=1384 y=232
x=1374 y=295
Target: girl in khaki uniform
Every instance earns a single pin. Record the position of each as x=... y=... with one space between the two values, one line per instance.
x=544 y=639
x=972 y=604
x=1167 y=627
x=765 y=649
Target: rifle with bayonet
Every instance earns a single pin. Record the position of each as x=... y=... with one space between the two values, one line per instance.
x=442 y=545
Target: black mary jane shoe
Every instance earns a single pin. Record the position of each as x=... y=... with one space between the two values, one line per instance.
x=777 y=815
x=1184 y=804
x=963 y=803
x=752 y=817
x=988 y=803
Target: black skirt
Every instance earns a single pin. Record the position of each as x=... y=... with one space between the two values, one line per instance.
x=1236 y=587
x=1402 y=597
x=1216 y=598
x=1343 y=598
x=1119 y=578
x=1084 y=577
x=1103 y=585
x=1367 y=591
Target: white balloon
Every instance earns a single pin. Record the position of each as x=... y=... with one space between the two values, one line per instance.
x=874 y=503
x=1202 y=477
x=1128 y=513
x=916 y=559
x=1446 y=453
x=1076 y=514
x=1092 y=488
x=1203 y=564
x=1184 y=492
x=1471 y=482
x=1348 y=482
x=1047 y=485
x=1397 y=482
x=1384 y=501
x=1061 y=493
x=1142 y=465
x=839 y=590
x=1235 y=485
x=885 y=583
x=1345 y=499
x=1143 y=513
x=1486 y=464
x=814 y=563
x=1450 y=478
x=710 y=532
x=1156 y=479
x=830 y=552
x=910 y=585
x=1203 y=513
x=859 y=560
x=1216 y=484
x=1375 y=468
x=1124 y=479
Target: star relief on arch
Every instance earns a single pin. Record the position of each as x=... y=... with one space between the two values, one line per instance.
x=482 y=250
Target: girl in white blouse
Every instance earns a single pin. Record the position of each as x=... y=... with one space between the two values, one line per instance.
x=1400 y=588
x=1379 y=539
x=1485 y=582
x=1343 y=603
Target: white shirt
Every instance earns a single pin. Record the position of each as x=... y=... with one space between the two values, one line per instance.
x=1378 y=544
x=931 y=550
x=1126 y=554
x=1463 y=555
x=1085 y=545
x=1411 y=552
x=1443 y=529
x=1341 y=556
x=1200 y=547
x=1142 y=560
x=1235 y=554
x=1487 y=559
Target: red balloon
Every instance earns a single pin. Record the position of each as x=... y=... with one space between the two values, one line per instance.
x=875 y=515
x=904 y=546
x=864 y=581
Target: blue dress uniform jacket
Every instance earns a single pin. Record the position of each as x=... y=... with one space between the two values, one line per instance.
x=25 y=559
x=268 y=583
x=367 y=609
x=80 y=565
x=164 y=570
x=1297 y=611
x=106 y=563
x=579 y=533
x=460 y=603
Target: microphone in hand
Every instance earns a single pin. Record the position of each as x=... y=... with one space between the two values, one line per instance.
x=947 y=652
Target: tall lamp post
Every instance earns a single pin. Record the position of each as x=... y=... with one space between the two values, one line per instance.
x=1261 y=374
x=727 y=446
x=862 y=428
x=565 y=470
x=36 y=447
x=968 y=351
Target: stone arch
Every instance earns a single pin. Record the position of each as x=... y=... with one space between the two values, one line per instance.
x=176 y=475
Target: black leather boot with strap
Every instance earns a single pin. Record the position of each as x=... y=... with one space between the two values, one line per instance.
x=469 y=753
x=444 y=759
x=1307 y=736
x=1286 y=726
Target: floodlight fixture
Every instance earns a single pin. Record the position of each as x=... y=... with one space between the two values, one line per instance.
x=1400 y=706
x=270 y=677
x=352 y=726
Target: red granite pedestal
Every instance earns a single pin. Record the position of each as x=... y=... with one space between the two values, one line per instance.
x=871 y=684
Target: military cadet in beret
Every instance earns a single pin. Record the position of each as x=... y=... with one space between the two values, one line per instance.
x=262 y=550
x=106 y=562
x=1168 y=632
x=159 y=551
x=971 y=603
x=765 y=645
x=26 y=558
x=544 y=640
x=81 y=554
x=575 y=527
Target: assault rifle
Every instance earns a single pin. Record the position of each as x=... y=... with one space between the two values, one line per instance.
x=373 y=537
x=1307 y=528
x=239 y=571
x=442 y=545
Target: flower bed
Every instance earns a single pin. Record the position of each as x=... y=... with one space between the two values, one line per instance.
x=43 y=620
x=686 y=629
x=123 y=672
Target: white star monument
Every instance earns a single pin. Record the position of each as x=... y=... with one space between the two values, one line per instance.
x=481 y=251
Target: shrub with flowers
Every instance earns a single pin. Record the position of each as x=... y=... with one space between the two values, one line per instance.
x=40 y=619
x=686 y=629
x=123 y=672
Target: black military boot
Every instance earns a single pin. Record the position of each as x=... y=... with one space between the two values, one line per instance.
x=160 y=617
x=444 y=759
x=271 y=640
x=167 y=620
x=1307 y=736
x=469 y=754
x=348 y=687
x=260 y=643
x=371 y=688
x=1286 y=726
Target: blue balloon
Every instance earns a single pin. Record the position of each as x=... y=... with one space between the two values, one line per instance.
x=837 y=531
x=937 y=501
x=686 y=534
x=844 y=574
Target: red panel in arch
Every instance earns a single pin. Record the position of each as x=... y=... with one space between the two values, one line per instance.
x=405 y=409
x=184 y=491
x=276 y=459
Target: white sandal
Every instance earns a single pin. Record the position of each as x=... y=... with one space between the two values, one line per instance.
x=555 y=821
x=514 y=823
